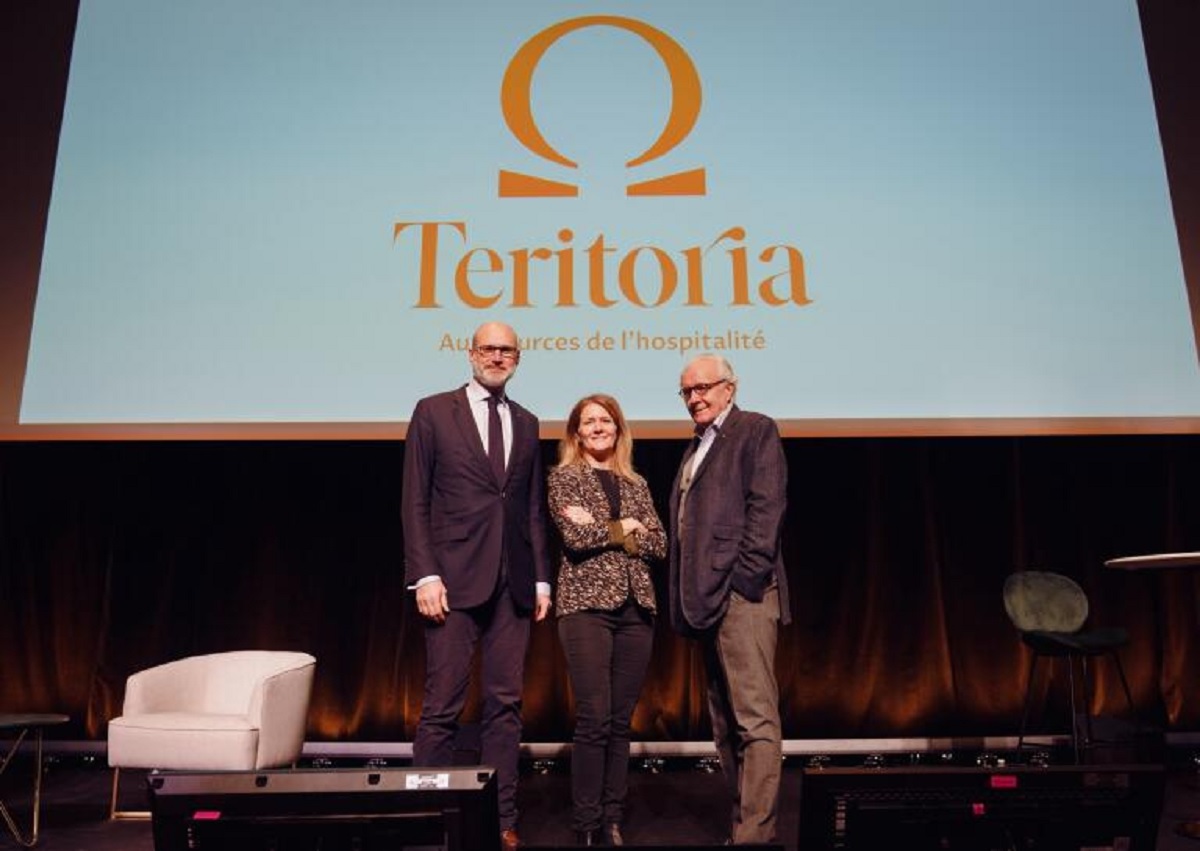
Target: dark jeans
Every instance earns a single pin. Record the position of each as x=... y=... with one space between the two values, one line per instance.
x=607 y=654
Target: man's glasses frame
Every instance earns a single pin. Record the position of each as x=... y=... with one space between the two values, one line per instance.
x=685 y=393
x=506 y=352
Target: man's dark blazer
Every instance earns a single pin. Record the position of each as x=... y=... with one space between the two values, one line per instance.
x=733 y=519
x=458 y=520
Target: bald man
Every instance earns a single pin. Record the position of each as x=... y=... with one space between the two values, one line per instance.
x=475 y=555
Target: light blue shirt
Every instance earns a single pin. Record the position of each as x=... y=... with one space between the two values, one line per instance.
x=708 y=436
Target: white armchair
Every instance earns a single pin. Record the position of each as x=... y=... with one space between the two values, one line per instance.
x=243 y=710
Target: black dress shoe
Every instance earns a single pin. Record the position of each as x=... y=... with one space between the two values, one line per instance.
x=612 y=834
x=588 y=838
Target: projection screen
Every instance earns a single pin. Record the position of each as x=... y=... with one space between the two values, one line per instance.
x=285 y=219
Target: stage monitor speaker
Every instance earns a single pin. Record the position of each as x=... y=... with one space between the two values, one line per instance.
x=1058 y=807
x=450 y=809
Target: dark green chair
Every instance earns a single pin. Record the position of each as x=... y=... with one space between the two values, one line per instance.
x=1050 y=611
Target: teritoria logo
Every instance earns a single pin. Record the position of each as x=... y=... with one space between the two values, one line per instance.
x=518 y=112
x=720 y=269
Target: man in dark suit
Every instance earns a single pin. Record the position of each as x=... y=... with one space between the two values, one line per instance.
x=475 y=553
x=728 y=588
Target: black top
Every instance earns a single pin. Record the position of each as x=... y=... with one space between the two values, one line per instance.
x=612 y=490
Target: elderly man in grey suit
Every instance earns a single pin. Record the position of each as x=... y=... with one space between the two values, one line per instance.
x=728 y=587
x=475 y=553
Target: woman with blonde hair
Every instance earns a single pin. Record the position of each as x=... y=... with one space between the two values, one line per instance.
x=610 y=534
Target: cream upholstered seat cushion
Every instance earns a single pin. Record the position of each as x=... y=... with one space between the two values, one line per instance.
x=241 y=710
x=188 y=740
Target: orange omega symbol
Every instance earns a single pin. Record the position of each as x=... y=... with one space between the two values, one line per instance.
x=518 y=113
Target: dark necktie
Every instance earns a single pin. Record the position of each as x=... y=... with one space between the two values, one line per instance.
x=495 y=438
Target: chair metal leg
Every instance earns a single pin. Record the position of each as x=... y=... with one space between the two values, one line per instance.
x=1028 y=700
x=115 y=814
x=1124 y=683
x=1074 y=713
x=1089 y=689
x=112 y=804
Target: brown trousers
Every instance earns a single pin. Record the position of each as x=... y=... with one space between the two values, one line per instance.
x=743 y=700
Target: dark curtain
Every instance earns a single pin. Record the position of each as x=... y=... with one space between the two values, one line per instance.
x=117 y=556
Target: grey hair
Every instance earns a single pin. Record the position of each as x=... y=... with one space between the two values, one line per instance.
x=724 y=366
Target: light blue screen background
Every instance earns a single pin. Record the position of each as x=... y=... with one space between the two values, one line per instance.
x=977 y=188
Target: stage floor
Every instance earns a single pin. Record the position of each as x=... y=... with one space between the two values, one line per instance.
x=673 y=803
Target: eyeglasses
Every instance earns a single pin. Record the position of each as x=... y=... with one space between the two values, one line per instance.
x=685 y=393
x=506 y=352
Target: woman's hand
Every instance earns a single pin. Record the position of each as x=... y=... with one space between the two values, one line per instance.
x=632 y=524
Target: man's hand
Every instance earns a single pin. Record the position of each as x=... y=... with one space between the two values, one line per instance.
x=542 y=607
x=432 y=601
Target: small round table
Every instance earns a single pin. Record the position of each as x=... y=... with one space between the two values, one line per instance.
x=21 y=725
x=1163 y=561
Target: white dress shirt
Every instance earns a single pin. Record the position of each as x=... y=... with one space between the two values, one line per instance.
x=478 y=395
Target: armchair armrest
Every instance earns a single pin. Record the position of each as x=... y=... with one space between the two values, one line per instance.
x=279 y=708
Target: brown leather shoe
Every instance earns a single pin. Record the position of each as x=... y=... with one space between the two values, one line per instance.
x=509 y=841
